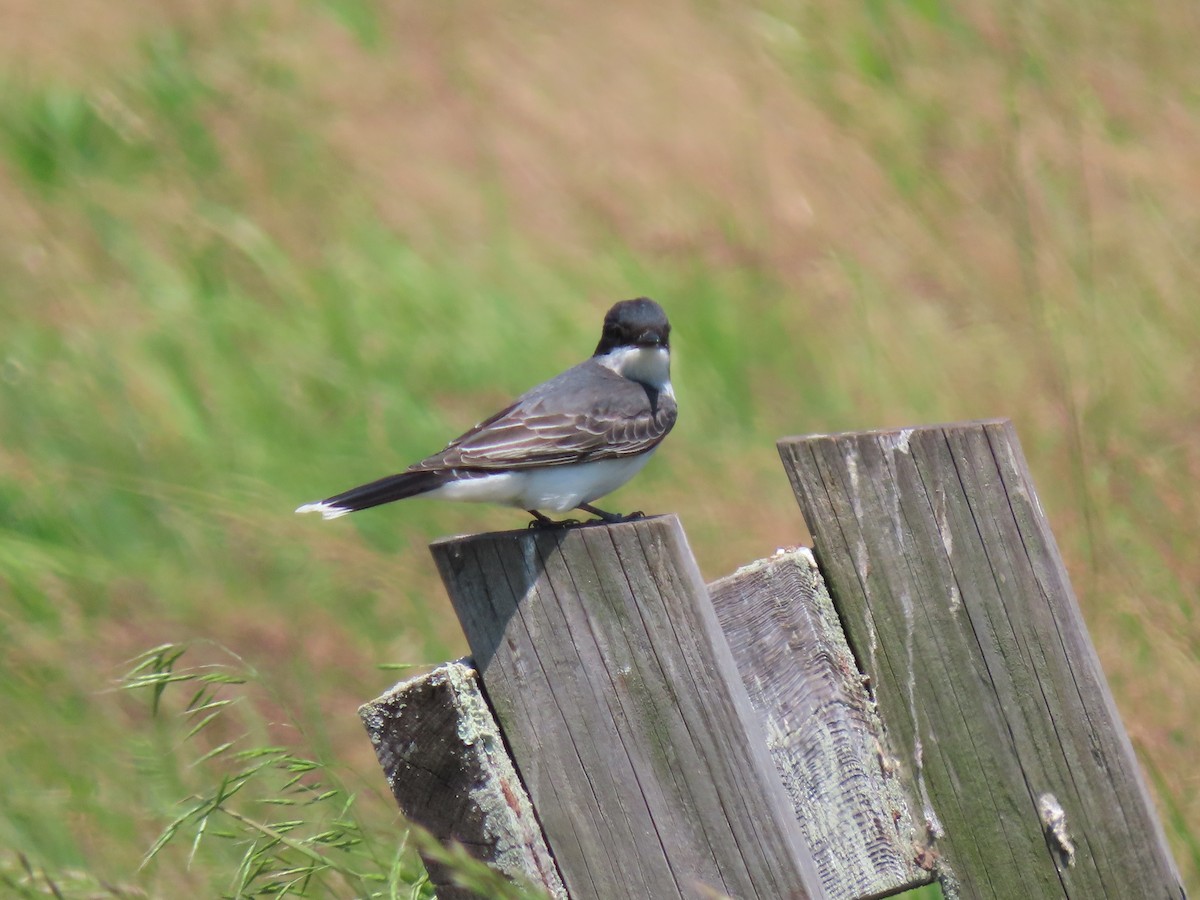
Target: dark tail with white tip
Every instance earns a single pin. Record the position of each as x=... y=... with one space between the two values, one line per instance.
x=385 y=490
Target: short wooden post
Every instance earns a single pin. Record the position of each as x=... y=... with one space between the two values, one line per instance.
x=821 y=726
x=604 y=662
x=445 y=762
x=956 y=603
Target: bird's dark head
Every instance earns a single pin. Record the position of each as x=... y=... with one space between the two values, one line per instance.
x=634 y=323
x=636 y=343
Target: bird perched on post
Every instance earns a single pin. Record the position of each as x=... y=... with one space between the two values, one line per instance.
x=561 y=445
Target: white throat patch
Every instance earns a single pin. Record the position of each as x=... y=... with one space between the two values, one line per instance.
x=649 y=365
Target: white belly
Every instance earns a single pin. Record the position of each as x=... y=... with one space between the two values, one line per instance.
x=553 y=489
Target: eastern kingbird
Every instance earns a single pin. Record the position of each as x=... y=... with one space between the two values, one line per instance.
x=560 y=445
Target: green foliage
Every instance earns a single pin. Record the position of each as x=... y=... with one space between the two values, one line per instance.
x=287 y=824
x=22 y=879
x=56 y=133
x=291 y=822
x=360 y=17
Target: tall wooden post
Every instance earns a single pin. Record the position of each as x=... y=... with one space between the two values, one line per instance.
x=601 y=655
x=957 y=605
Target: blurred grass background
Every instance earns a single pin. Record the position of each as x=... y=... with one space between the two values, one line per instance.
x=255 y=252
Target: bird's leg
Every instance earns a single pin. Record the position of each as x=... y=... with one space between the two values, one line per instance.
x=540 y=521
x=610 y=517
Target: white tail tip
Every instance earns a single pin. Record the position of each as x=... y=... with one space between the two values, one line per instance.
x=326 y=511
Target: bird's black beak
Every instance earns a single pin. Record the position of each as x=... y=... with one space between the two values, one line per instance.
x=650 y=338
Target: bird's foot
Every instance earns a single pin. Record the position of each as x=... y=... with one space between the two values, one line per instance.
x=610 y=518
x=540 y=521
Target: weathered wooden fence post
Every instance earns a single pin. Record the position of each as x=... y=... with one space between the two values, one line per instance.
x=445 y=761
x=821 y=726
x=987 y=750
x=602 y=657
x=955 y=600
x=444 y=758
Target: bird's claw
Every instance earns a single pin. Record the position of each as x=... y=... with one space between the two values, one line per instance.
x=602 y=517
x=609 y=518
x=540 y=521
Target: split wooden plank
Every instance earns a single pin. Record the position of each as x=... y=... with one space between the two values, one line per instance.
x=445 y=761
x=821 y=726
x=956 y=602
x=604 y=662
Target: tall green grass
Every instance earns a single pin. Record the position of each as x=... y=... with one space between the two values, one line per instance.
x=256 y=255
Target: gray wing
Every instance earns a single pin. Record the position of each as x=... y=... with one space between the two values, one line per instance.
x=585 y=414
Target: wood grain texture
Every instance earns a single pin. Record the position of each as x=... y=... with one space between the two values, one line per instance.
x=821 y=725
x=445 y=761
x=955 y=600
x=602 y=657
